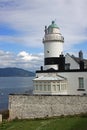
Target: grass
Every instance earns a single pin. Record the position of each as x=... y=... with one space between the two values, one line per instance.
x=66 y=123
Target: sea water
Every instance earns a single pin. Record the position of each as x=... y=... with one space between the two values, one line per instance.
x=13 y=85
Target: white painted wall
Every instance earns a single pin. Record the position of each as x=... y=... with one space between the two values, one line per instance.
x=53 y=49
x=73 y=82
x=73 y=63
x=72 y=79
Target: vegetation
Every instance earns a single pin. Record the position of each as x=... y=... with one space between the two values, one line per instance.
x=62 y=123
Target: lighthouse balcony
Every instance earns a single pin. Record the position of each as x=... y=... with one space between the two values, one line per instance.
x=53 y=37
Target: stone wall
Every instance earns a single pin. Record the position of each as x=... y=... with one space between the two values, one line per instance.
x=26 y=107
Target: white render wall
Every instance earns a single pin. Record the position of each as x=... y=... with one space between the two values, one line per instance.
x=53 y=49
x=72 y=81
x=73 y=63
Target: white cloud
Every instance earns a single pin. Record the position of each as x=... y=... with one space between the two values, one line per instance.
x=22 y=60
x=27 y=57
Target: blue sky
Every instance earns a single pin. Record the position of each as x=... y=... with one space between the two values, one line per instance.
x=22 y=29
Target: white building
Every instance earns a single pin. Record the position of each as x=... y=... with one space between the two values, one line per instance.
x=61 y=75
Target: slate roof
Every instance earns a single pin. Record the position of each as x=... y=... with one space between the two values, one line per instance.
x=48 y=77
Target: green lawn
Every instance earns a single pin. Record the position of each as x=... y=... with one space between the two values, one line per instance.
x=66 y=123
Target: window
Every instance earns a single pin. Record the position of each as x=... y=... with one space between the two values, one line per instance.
x=49 y=88
x=63 y=86
x=54 y=87
x=81 y=83
x=44 y=87
x=58 y=87
x=67 y=66
x=40 y=88
x=36 y=87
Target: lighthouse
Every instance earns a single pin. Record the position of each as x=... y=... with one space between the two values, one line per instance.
x=47 y=80
x=53 y=47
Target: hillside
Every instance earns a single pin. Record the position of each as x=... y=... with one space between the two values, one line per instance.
x=15 y=72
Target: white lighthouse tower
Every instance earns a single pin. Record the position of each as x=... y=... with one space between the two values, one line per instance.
x=53 y=46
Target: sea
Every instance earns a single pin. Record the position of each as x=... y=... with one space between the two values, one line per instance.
x=14 y=85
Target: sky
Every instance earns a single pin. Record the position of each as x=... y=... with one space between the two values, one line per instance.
x=22 y=29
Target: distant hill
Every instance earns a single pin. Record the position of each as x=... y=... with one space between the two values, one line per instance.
x=15 y=72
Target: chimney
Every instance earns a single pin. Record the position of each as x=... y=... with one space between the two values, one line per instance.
x=61 y=62
x=80 y=55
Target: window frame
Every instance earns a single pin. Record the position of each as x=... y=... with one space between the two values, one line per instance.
x=81 y=84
